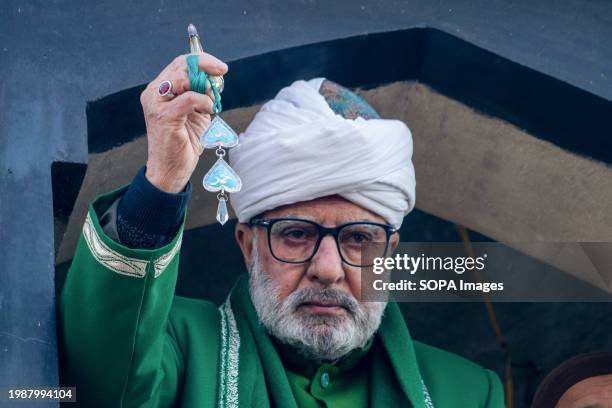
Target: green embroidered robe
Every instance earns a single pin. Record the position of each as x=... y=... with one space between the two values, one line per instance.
x=128 y=341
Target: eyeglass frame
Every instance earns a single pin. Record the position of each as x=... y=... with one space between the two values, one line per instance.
x=323 y=231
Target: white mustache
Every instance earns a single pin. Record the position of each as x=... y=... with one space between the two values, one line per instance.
x=311 y=295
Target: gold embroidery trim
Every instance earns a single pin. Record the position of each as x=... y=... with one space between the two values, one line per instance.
x=110 y=258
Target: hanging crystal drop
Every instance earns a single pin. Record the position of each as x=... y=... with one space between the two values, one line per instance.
x=222 y=215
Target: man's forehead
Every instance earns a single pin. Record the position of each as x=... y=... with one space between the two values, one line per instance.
x=332 y=208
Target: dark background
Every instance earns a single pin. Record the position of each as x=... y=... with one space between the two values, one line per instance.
x=55 y=57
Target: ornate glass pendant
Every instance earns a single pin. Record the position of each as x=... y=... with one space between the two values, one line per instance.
x=221 y=177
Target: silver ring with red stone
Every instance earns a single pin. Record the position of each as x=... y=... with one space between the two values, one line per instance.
x=165 y=89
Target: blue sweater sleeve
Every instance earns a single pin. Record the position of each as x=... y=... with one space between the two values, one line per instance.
x=147 y=217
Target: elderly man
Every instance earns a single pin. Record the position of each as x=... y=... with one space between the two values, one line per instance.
x=322 y=175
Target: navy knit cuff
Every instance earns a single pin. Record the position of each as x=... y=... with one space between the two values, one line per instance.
x=150 y=211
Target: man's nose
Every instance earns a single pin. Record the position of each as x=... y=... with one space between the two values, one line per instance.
x=326 y=265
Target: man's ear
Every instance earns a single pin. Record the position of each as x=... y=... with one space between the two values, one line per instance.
x=394 y=242
x=244 y=237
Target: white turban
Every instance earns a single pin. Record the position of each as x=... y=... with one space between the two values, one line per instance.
x=297 y=149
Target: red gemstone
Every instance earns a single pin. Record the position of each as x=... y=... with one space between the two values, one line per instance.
x=164 y=88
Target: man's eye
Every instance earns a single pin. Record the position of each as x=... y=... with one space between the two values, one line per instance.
x=295 y=234
x=357 y=237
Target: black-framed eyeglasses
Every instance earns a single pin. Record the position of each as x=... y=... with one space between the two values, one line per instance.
x=295 y=240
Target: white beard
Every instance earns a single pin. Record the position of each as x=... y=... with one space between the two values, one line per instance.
x=318 y=338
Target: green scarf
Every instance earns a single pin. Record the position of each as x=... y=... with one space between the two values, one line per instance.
x=251 y=372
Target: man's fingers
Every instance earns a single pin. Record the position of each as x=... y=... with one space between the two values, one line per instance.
x=180 y=85
x=189 y=102
x=177 y=73
x=211 y=64
x=206 y=62
x=185 y=101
